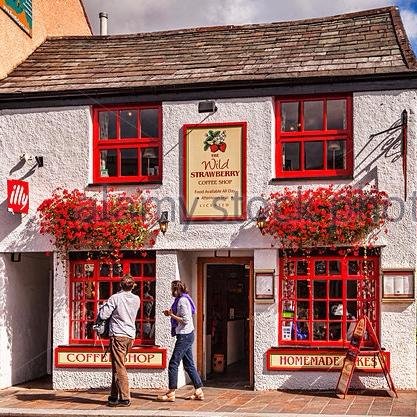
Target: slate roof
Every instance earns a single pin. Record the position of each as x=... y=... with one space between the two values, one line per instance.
x=367 y=43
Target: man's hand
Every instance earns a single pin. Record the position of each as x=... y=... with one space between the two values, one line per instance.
x=168 y=312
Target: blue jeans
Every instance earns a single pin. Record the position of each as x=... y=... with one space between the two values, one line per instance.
x=183 y=351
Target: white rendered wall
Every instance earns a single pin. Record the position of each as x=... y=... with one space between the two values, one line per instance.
x=63 y=136
x=398 y=320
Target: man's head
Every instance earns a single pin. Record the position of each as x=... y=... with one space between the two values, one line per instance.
x=127 y=283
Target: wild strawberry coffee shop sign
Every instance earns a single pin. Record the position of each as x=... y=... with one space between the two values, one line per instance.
x=214 y=185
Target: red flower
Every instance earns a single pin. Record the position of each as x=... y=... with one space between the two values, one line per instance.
x=80 y=221
x=326 y=217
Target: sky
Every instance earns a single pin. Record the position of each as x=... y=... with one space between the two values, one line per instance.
x=133 y=16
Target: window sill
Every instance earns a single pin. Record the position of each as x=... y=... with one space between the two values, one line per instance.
x=304 y=347
x=106 y=341
x=307 y=178
x=113 y=184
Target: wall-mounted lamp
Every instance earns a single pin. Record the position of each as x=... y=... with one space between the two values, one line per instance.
x=31 y=158
x=207 y=107
x=16 y=257
x=261 y=219
x=163 y=222
x=39 y=161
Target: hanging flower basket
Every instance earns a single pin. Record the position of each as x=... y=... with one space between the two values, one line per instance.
x=89 y=222
x=326 y=216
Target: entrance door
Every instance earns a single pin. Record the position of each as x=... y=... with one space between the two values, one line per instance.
x=225 y=337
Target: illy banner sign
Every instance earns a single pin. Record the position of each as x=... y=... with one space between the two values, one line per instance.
x=18 y=196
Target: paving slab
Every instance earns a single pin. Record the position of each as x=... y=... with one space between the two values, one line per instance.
x=35 y=400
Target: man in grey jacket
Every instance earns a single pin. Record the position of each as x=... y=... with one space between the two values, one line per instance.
x=122 y=309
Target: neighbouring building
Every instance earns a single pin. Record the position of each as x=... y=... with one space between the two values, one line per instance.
x=25 y=24
x=209 y=120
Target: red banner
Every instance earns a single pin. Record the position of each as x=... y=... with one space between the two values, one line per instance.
x=18 y=196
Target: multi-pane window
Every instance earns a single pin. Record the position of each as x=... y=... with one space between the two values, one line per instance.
x=127 y=144
x=323 y=296
x=314 y=137
x=93 y=281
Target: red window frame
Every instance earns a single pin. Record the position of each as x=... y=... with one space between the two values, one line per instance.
x=85 y=297
x=125 y=143
x=312 y=322
x=302 y=136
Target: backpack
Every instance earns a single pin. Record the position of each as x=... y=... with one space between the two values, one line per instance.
x=102 y=327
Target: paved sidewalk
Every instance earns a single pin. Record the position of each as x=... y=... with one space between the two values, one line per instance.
x=31 y=400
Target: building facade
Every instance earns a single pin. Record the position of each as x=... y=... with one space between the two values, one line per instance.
x=306 y=104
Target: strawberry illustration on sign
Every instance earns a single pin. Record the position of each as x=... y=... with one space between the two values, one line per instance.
x=215 y=141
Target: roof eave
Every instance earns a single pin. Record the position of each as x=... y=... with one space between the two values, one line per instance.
x=197 y=88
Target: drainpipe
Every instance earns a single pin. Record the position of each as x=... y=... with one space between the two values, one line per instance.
x=103 y=16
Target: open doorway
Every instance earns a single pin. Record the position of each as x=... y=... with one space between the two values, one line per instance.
x=28 y=327
x=227 y=324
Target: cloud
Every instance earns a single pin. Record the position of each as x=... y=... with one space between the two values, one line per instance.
x=127 y=16
x=410 y=23
x=232 y=12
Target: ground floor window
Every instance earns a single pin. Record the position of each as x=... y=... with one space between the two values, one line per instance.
x=323 y=294
x=93 y=281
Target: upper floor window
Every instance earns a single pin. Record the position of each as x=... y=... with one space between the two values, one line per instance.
x=127 y=144
x=314 y=137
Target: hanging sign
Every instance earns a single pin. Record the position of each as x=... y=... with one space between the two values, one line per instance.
x=18 y=196
x=20 y=11
x=214 y=185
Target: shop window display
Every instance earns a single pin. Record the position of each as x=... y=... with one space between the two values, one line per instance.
x=322 y=297
x=93 y=281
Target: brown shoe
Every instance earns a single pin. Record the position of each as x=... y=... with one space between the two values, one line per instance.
x=124 y=403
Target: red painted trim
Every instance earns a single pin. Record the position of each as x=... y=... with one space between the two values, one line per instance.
x=118 y=143
x=321 y=352
x=98 y=349
x=184 y=214
x=306 y=136
x=183 y=200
